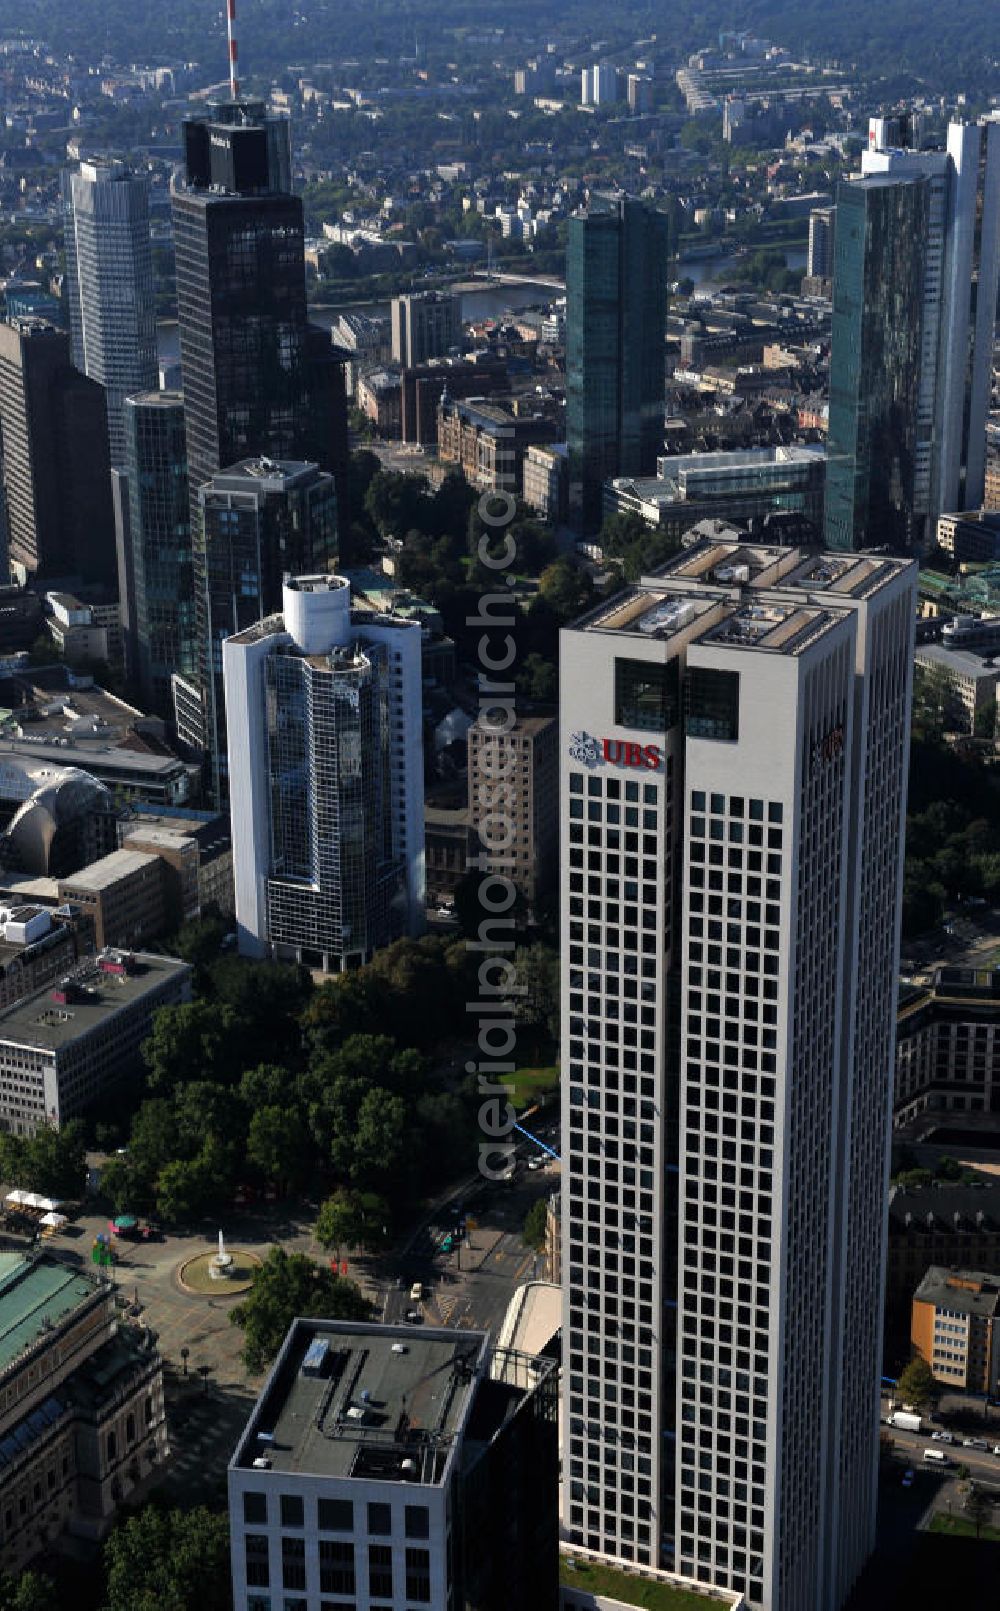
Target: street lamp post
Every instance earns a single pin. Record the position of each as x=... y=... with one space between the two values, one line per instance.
x=185 y=1352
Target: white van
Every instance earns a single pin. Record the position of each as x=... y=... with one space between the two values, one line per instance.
x=936 y=1457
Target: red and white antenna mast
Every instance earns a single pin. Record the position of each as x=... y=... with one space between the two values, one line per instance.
x=234 y=83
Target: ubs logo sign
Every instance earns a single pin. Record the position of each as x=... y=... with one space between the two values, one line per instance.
x=590 y=751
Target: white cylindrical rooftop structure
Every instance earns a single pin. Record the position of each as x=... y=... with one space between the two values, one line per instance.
x=317 y=612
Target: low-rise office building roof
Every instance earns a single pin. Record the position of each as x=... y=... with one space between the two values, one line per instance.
x=386 y=1403
x=100 y=875
x=966 y=1292
x=95 y=992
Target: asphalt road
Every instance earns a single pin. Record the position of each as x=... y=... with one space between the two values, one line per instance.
x=472 y=1285
x=984 y=1467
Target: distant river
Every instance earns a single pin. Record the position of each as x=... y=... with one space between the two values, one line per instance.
x=489 y=301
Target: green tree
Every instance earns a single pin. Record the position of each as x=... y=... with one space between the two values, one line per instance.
x=286 y=1285
x=932 y=703
x=398 y=503
x=153 y=1141
x=536 y=1003
x=277 y=1145
x=264 y=1086
x=364 y=467
x=12 y=1155
x=916 y=1384
x=566 y=589
x=173 y=1560
x=352 y=1219
x=619 y=532
x=538 y=679
x=262 y=1003
x=534 y=1225
x=117 y=1184
x=453 y=501
x=189 y=1042
x=184 y=1191
x=948 y=1169
x=55 y=1162
x=199 y=941
x=28 y=1591
x=380 y=1137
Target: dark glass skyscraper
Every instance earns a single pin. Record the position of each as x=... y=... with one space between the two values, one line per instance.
x=258 y=522
x=241 y=295
x=259 y=380
x=616 y=315
x=160 y=537
x=875 y=365
x=57 y=467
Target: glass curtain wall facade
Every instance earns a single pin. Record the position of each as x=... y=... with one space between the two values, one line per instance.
x=110 y=286
x=257 y=523
x=324 y=721
x=616 y=289
x=876 y=363
x=258 y=378
x=160 y=532
x=333 y=877
x=241 y=308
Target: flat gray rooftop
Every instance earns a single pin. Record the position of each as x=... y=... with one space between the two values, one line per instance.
x=371 y=1402
x=978 y=1296
x=109 y=870
x=961 y=662
x=92 y=756
x=40 y=1022
x=726 y=590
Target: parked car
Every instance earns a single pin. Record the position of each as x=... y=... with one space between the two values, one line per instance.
x=537 y=1163
x=414 y=1317
x=976 y=1443
x=942 y=1437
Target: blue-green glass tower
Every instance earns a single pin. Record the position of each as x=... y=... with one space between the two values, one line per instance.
x=616 y=315
x=878 y=291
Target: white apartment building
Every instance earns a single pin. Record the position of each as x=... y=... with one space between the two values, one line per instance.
x=109 y=285
x=962 y=265
x=735 y=734
x=324 y=721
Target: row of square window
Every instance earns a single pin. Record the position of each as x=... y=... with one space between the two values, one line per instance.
x=613 y=788
x=334 y=1515
x=754 y=862
x=610 y=1545
x=737 y=806
x=734 y=833
x=337 y=1567
x=614 y=815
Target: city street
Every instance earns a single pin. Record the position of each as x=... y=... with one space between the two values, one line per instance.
x=473 y=1283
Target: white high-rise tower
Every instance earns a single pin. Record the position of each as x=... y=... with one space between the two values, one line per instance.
x=109 y=284
x=736 y=732
x=324 y=723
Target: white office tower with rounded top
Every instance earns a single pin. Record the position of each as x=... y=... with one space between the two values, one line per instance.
x=324 y=719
